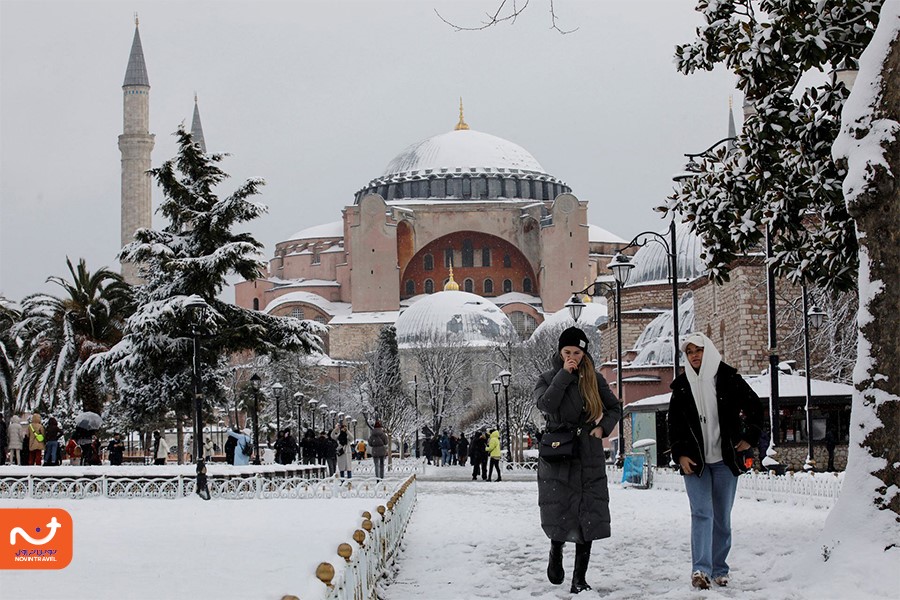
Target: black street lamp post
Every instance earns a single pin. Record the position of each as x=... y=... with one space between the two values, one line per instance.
x=504 y=379
x=312 y=412
x=196 y=303
x=415 y=384
x=815 y=317
x=276 y=390
x=255 y=382
x=495 y=384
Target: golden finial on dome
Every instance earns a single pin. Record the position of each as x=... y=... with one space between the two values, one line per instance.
x=586 y=298
x=451 y=286
x=462 y=122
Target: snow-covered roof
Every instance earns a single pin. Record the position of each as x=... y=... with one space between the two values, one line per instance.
x=462 y=149
x=454 y=315
x=350 y=318
x=598 y=234
x=335 y=229
x=511 y=297
x=789 y=386
x=332 y=308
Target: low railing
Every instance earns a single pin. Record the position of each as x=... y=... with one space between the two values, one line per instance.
x=397 y=466
x=374 y=545
x=819 y=490
x=180 y=486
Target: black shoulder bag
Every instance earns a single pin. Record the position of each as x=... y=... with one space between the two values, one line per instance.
x=559 y=446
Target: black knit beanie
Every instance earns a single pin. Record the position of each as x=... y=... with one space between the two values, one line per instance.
x=573 y=337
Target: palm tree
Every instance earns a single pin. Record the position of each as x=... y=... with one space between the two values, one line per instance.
x=60 y=334
x=9 y=316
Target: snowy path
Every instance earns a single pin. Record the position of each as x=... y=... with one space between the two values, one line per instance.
x=483 y=540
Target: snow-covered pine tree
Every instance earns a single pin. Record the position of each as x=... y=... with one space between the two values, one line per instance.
x=192 y=256
x=381 y=383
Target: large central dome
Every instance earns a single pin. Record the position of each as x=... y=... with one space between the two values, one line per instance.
x=464 y=149
x=464 y=165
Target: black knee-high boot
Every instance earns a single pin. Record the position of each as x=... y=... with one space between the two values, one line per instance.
x=582 y=558
x=555 y=572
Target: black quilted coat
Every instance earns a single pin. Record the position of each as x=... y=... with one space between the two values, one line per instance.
x=573 y=495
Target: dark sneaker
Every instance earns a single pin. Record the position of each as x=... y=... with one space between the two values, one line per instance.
x=700 y=580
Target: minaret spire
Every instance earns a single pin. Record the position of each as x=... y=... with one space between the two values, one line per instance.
x=135 y=145
x=451 y=286
x=732 y=131
x=462 y=122
x=197 y=127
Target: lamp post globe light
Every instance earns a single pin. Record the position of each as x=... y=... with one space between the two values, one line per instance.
x=504 y=379
x=495 y=385
x=815 y=317
x=196 y=304
x=255 y=381
x=276 y=390
x=353 y=424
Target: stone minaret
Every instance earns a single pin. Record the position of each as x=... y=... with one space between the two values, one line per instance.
x=135 y=144
x=197 y=127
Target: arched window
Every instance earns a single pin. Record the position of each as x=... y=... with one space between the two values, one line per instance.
x=256 y=304
x=507 y=261
x=469 y=286
x=429 y=262
x=468 y=254
x=320 y=319
x=429 y=286
x=507 y=286
x=410 y=287
x=488 y=287
x=297 y=313
x=523 y=323
x=485 y=257
x=526 y=285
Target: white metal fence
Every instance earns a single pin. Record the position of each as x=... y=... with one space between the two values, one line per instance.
x=179 y=486
x=397 y=466
x=372 y=548
x=820 y=490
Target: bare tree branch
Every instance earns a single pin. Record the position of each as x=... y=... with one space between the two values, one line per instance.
x=498 y=16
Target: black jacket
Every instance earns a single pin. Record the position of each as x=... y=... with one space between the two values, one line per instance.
x=573 y=495
x=740 y=418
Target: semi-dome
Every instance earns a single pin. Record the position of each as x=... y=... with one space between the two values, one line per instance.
x=452 y=316
x=651 y=263
x=465 y=164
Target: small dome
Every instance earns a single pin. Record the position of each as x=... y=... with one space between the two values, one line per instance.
x=453 y=315
x=593 y=315
x=651 y=263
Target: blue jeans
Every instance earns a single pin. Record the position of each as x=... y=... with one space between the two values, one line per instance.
x=711 y=496
x=50 y=452
x=445 y=457
x=379 y=466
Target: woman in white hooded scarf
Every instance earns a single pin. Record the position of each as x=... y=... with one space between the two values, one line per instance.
x=713 y=417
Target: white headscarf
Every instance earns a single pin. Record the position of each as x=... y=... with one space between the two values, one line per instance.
x=703 y=388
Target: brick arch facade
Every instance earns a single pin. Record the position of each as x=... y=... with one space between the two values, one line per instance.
x=470 y=264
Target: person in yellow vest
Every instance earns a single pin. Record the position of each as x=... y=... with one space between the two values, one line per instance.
x=35 y=433
x=361 y=450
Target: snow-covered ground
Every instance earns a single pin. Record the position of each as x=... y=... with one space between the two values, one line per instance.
x=466 y=540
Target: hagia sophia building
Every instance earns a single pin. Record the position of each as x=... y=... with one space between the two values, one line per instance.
x=465 y=210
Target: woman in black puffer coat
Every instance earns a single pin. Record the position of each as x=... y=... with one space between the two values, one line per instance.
x=573 y=494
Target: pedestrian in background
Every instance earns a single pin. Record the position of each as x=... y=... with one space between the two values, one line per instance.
x=51 y=443
x=35 y=433
x=378 y=443
x=713 y=417
x=573 y=494
x=14 y=436
x=160 y=451
x=116 y=449
x=462 y=449
x=494 y=452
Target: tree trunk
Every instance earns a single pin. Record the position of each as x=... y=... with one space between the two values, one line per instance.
x=862 y=532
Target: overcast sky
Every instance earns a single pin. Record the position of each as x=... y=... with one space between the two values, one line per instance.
x=318 y=97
